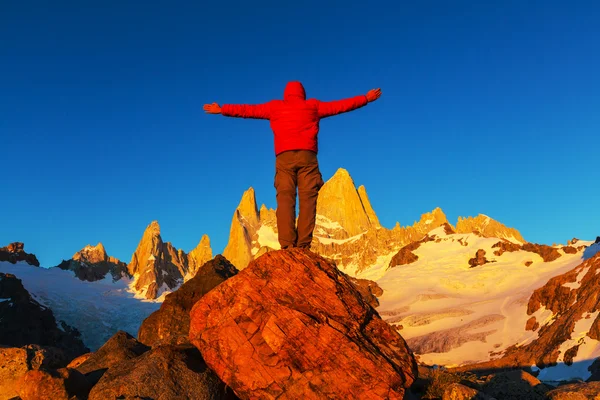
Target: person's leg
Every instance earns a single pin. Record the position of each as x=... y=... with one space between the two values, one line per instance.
x=309 y=183
x=285 y=185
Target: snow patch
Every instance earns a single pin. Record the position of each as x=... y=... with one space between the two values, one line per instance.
x=266 y=237
x=325 y=222
x=339 y=241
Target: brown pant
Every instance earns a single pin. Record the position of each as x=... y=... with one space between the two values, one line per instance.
x=297 y=169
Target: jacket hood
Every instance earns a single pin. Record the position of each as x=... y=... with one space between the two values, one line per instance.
x=294 y=91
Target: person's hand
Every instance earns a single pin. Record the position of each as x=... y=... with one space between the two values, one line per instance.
x=213 y=108
x=373 y=94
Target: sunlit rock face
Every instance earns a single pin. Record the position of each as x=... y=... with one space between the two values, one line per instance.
x=158 y=266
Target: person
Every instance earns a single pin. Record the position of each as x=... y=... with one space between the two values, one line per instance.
x=295 y=124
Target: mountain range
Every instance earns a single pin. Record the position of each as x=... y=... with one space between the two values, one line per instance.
x=461 y=294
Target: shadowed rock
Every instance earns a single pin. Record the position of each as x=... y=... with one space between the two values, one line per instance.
x=515 y=385
x=14 y=252
x=63 y=384
x=575 y=391
x=171 y=323
x=165 y=372
x=25 y=321
x=292 y=326
x=121 y=347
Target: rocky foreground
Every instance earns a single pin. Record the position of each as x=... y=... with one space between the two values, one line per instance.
x=289 y=326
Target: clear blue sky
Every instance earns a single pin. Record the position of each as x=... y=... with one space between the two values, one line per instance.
x=487 y=107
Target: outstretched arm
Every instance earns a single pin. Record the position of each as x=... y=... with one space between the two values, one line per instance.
x=260 y=111
x=329 y=108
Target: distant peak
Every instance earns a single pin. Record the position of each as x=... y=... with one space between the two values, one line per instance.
x=342 y=174
x=488 y=227
x=153 y=228
x=91 y=253
x=247 y=207
x=205 y=241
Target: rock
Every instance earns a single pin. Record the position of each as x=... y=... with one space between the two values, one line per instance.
x=456 y=391
x=479 y=259
x=595 y=370
x=165 y=372
x=575 y=391
x=16 y=362
x=79 y=360
x=121 y=347
x=514 y=385
x=171 y=323
x=368 y=289
x=405 y=255
x=532 y=324
x=548 y=253
x=63 y=384
x=569 y=249
x=13 y=365
x=504 y=246
x=92 y=264
x=25 y=321
x=14 y=252
x=291 y=325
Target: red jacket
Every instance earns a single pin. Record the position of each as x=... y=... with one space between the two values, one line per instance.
x=294 y=120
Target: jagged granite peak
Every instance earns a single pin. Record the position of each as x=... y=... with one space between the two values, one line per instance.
x=362 y=193
x=488 y=227
x=244 y=226
x=417 y=231
x=148 y=248
x=91 y=254
x=92 y=263
x=155 y=265
x=432 y=219
x=248 y=208
x=199 y=256
x=340 y=203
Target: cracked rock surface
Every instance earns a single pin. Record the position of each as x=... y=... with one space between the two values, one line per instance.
x=291 y=325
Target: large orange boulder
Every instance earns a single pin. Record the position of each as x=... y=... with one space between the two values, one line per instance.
x=291 y=325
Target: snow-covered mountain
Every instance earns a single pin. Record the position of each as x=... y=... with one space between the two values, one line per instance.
x=455 y=312
x=97 y=309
